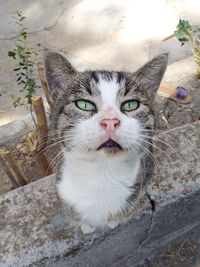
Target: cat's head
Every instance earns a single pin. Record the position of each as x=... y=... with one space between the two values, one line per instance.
x=105 y=111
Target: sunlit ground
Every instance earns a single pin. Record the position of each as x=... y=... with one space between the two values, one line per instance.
x=107 y=32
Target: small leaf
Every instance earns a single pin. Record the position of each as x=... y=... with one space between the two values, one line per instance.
x=12 y=54
x=16 y=100
x=20 y=47
x=17 y=65
x=22 y=18
x=16 y=69
x=19 y=13
x=21 y=63
x=23 y=34
x=22 y=81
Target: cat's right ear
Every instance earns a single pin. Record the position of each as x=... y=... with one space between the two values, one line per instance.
x=58 y=72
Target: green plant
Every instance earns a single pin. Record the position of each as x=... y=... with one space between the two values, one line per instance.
x=185 y=32
x=24 y=67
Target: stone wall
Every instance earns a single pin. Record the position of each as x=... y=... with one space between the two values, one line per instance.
x=34 y=233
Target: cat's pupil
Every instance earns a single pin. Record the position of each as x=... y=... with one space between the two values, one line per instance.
x=130 y=105
x=85 y=105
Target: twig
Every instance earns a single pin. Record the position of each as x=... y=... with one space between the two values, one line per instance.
x=44 y=83
x=41 y=118
x=43 y=135
x=14 y=183
x=181 y=246
x=31 y=111
x=14 y=166
x=38 y=155
x=168 y=37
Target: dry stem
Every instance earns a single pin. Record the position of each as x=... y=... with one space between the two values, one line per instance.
x=14 y=166
x=44 y=83
x=5 y=167
x=41 y=118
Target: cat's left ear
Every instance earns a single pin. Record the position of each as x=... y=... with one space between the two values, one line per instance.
x=58 y=72
x=150 y=75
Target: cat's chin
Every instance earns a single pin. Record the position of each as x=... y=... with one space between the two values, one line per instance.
x=113 y=152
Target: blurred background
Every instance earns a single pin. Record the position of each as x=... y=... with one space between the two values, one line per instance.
x=109 y=34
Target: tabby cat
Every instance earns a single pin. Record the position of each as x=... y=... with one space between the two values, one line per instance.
x=105 y=122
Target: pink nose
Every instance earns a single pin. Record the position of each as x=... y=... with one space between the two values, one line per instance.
x=110 y=125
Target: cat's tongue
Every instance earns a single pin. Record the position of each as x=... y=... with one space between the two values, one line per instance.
x=110 y=144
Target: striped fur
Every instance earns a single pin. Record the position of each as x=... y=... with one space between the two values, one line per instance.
x=102 y=187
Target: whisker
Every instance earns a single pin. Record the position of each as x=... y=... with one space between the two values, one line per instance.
x=58 y=164
x=59 y=138
x=149 y=153
x=155 y=138
x=154 y=146
x=51 y=164
x=75 y=149
x=50 y=146
x=155 y=161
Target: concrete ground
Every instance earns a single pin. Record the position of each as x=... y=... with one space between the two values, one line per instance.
x=94 y=34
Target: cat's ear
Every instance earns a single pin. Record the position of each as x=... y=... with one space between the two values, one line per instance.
x=58 y=72
x=150 y=75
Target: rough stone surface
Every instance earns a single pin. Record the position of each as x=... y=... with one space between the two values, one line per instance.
x=184 y=251
x=181 y=73
x=16 y=128
x=34 y=233
x=178 y=168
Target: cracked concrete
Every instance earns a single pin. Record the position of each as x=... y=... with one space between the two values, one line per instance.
x=34 y=233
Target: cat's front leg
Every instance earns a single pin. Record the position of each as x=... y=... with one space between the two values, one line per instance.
x=112 y=224
x=87 y=229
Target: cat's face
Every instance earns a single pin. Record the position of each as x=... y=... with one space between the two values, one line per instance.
x=100 y=110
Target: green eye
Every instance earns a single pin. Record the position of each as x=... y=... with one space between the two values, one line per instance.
x=85 y=105
x=130 y=105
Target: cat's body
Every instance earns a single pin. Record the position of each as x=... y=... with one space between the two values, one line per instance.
x=105 y=122
x=105 y=189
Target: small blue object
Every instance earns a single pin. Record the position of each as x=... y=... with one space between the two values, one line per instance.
x=181 y=92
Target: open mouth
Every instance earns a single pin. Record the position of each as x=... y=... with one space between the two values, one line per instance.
x=110 y=144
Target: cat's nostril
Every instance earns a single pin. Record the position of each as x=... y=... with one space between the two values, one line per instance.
x=110 y=123
x=103 y=124
x=116 y=123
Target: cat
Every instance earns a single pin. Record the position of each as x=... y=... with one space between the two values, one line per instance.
x=105 y=121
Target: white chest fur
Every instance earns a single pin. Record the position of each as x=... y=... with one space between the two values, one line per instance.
x=96 y=185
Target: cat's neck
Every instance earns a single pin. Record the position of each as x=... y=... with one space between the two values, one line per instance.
x=94 y=182
x=123 y=167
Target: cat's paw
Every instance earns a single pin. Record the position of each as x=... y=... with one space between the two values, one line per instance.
x=87 y=229
x=112 y=224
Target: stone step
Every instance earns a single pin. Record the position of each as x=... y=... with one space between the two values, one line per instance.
x=33 y=231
